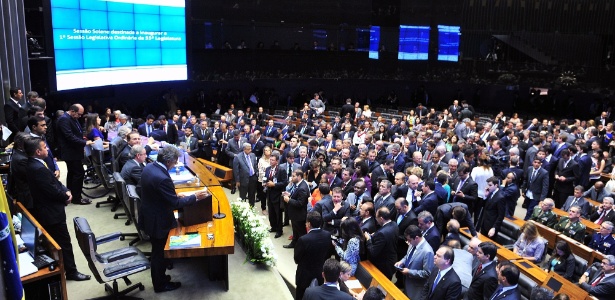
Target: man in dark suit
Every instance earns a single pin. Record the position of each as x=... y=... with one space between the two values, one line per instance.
x=508 y=277
x=275 y=182
x=13 y=112
x=494 y=209
x=536 y=185
x=602 y=284
x=132 y=169
x=18 y=179
x=565 y=176
x=484 y=276
x=270 y=129
x=464 y=189
x=429 y=201
x=384 y=198
x=382 y=244
x=382 y=170
x=245 y=170
x=604 y=212
x=204 y=139
x=158 y=134
x=191 y=144
x=577 y=200
x=333 y=210
x=405 y=217
x=38 y=128
x=456 y=210
x=584 y=164
x=603 y=241
x=169 y=128
x=70 y=137
x=50 y=198
x=297 y=199
x=443 y=282
x=156 y=214
x=146 y=128
x=311 y=252
x=430 y=231
x=331 y=274
x=347 y=108
x=367 y=219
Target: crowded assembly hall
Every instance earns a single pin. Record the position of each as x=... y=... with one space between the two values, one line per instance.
x=421 y=195
x=307 y=149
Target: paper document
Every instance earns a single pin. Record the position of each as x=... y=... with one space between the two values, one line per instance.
x=25 y=265
x=353 y=284
x=6 y=132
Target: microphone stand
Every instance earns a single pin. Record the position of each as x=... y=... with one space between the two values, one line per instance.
x=218 y=215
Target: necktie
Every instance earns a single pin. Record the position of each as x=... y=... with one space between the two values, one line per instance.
x=410 y=256
x=165 y=128
x=250 y=164
x=497 y=293
x=271 y=173
x=148 y=130
x=573 y=203
x=302 y=161
x=599 y=221
x=480 y=268
x=44 y=163
x=597 y=281
x=533 y=175
x=435 y=283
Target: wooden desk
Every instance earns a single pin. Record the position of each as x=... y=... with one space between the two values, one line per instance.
x=579 y=249
x=531 y=270
x=370 y=276
x=37 y=283
x=223 y=243
x=560 y=285
x=590 y=227
x=503 y=253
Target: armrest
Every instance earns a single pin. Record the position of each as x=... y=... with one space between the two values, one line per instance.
x=108 y=238
x=132 y=191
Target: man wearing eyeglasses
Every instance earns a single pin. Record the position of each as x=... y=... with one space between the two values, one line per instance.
x=72 y=142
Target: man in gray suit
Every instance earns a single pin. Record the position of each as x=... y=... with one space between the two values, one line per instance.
x=417 y=264
x=245 y=171
x=597 y=192
x=233 y=148
x=463 y=263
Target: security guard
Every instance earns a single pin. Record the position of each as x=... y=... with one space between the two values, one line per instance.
x=571 y=226
x=543 y=214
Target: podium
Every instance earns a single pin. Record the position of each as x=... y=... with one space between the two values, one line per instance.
x=197 y=213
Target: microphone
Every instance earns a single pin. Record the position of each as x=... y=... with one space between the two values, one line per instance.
x=218 y=215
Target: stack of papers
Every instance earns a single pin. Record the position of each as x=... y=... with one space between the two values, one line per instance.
x=26 y=267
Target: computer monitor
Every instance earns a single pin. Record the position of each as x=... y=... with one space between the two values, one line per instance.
x=29 y=235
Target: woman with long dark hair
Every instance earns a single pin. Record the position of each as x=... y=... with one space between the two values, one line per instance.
x=562 y=261
x=351 y=245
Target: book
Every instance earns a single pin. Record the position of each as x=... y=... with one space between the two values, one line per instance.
x=185 y=241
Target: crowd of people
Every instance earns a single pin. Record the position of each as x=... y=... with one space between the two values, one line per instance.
x=393 y=191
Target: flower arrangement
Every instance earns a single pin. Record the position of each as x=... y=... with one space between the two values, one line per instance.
x=253 y=231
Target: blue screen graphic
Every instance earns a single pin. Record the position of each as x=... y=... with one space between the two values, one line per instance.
x=108 y=42
x=374 y=41
x=448 y=42
x=413 y=42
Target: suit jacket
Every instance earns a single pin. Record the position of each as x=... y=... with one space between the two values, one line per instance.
x=48 y=194
x=234 y=147
x=584 y=166
x=377 y=172
x=274 y=194
x=294 y=167
x=381 y=249
x=172 y=134
x=18 y=181
x=599 y=244
x=159 y=199
x=192 y=144
x=428 y=203
x=448 y=288
x=408 y=219
x=387 y=202
x=512 y=294
x=12 y=116
x=432 y=235
x=310 y=254
x=445 y=214
x=608 y=217
x=603 y=290
x=483 y=284
x=159 y=135
x=323 y=292
x=581 y=202
x=469 y=189
x=325 y=208
x=369 y=225
x=420 y=266
x=306 y=164
x=529 y=157
x=493 y=212
x=70 y=138
x=562 y=268
x=143 y=130
x=297 y=205
x=569 y=172
x=597 y=196
x=241 y=168
x=539 y=186
x=131 y=172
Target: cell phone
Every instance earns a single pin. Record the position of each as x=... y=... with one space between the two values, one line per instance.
x=399 y=268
